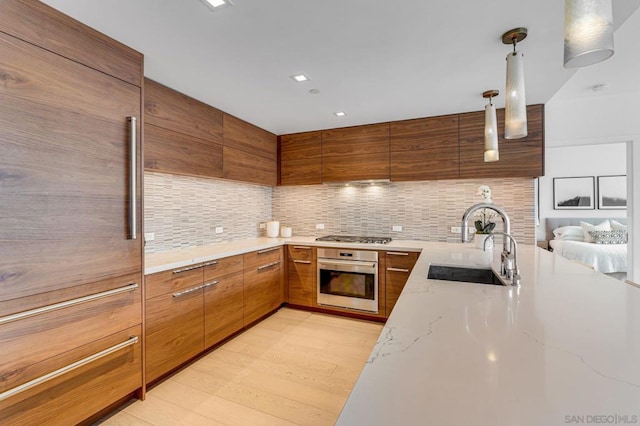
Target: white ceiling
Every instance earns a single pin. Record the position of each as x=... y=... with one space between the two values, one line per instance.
x=376 y=60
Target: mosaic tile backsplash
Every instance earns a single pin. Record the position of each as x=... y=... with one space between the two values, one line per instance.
x=425 y=210
x=184 y=211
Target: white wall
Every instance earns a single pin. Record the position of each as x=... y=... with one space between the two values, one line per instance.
x=585 y=160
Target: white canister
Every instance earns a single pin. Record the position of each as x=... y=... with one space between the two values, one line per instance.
x=285 y=232
x=273 y=229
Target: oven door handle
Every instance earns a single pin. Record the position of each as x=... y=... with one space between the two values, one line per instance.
x=339 y=263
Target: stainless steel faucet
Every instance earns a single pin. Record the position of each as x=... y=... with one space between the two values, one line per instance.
x=508 y=257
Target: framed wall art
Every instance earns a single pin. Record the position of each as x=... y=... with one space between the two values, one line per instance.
x=612 y=192
x=574 y=193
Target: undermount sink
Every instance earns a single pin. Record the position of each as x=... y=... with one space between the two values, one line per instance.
x=468 y=275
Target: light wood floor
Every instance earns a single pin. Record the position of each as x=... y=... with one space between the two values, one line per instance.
x=294 y=367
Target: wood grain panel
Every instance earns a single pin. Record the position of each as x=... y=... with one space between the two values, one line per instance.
x=29 y=345
x=242 y=166
x=301 y=159
x=224 y=266
x=43 y=26
x=246 y=137
x=518 y=157
x=263 y=292
x=424 y=149
x=301 y=252
x=63 y=172
x=169 y=109
x=171 y=152
x=223 y=308
x=395 y=280
x=302 y=278
x=355 y=167
x=83 y=392
x=170 y=282
x=262 y=257
x=368 y=139
x=174 y=332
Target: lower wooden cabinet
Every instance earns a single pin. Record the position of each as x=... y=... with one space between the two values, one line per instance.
x=263 y=289
x=223 y=308
x=398 y=267
x=301 y=273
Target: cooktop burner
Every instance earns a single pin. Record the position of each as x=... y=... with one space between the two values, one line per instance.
x=354 y=239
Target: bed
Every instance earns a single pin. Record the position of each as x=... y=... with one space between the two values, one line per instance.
x=605 y=258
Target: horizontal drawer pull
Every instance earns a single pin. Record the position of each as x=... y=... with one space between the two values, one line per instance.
x=302 y=248
x=268 y=250
x=397 y=253
x=306 y=262
x=268 y=265
x=191 y=290
x=212 y=263
x=188 y=268
x=397 y=270
x=42 y=379
x=211 y=283
x=66 y=304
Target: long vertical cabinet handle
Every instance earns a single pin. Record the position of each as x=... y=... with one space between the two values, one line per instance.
x=133 y=175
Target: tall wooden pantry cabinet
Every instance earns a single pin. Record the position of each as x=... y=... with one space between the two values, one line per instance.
x=70 y=241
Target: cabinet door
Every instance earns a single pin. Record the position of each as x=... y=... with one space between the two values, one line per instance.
x=424 y=149
x=239 y=134
x=355 y=153
x=302 y=275
x=518 y=157
x=262 y=291
x=174 y=331
x=247 y=167
x=223 y=308
x=398 y=267
x=63 y=172
x=301 y=159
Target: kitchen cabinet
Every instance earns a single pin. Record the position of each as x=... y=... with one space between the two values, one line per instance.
x=263 y=284
x=397 y=268
x=518 y=157
x=424 y=149
x=355 y=153
x=182 y=135
x=223 y=299
x=301 y=159
x=302 y=275
x=70 y=273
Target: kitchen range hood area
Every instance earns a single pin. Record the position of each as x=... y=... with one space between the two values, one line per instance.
x=135 y=250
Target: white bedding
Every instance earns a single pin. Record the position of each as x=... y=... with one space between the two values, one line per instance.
x=606 y=258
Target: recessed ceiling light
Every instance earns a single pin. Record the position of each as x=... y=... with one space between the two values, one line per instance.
x=340 y=114
x=217 y=4
x=300 y=78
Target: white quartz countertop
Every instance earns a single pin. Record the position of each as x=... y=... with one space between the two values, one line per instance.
x=563 y=348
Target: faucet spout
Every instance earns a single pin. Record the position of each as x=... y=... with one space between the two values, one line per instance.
x=471 y=210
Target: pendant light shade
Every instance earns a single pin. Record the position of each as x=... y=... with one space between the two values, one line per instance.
x=490 y=129
x=588 y=32
x=515 y=114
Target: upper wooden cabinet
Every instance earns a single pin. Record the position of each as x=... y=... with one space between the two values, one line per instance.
x=166 y=108
x=518 y=157
x=301 y=159
x=239 y=134
x=355 y=153
x=425 y=148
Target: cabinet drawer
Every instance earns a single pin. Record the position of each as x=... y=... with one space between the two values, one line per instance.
x=262 y=257
x=223 y=307
x=221 y=267
x=30 y=345
x=263 y=291
x=302 y=282
x=304 y=253
x=173 y=281
x=401 y=259
x=76 y=395
x=174 y=331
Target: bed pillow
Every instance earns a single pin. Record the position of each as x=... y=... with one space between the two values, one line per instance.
x=571 y=233
x=586 y=227
x=609 y=237
x=617 y=226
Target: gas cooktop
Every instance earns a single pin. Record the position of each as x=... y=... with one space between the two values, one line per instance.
x=354 y=239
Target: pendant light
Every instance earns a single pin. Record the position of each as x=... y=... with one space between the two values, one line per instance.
x=515 y=106
x=588 y=32
x=490 y=128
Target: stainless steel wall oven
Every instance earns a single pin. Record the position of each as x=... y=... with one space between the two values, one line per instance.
x=348 y=279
